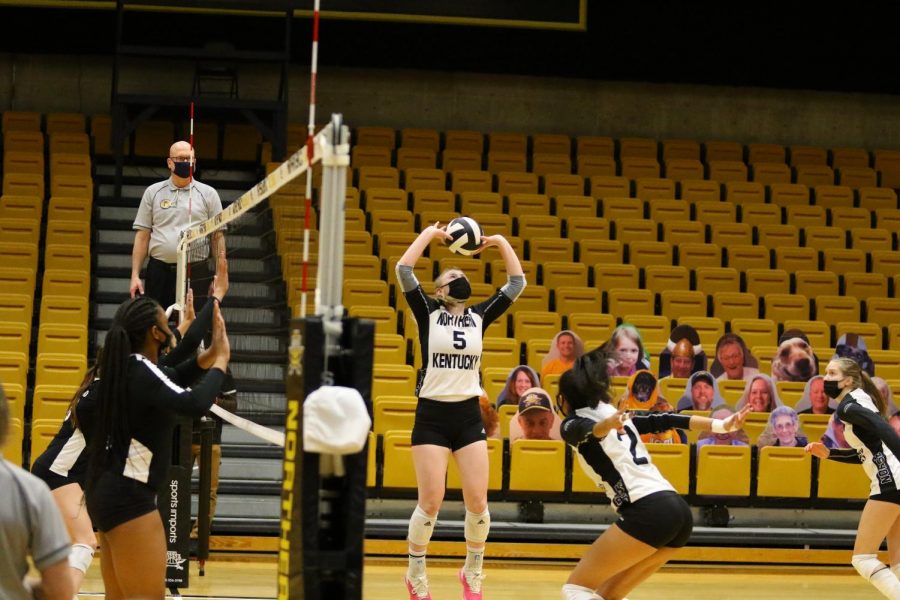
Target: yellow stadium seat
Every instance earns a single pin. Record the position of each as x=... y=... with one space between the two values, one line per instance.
x=843 y=261
x=517 y=183
x=375 y=136
x=727 y=171
x=424 y=178
x=770 y=173
x=761 y=213
x=681 y=169
x=15 y=397
x=790 y=392
x=781 y=307
x=814 y=426
x=610 y=275
x=723 y=471
x=808 y=155
x=474 y=269
x=863 y=286
x=595 y=145
x=636 y=167
x=813 y=284
x=425 y=200
x=666 y=210
x=870 y=332
x=821 y=238
x=573 y=208
x=789 y=195
x=743 y=257
x=814 y=175
x=532 y=222
x=19 y=231
x=546 y=143
x=849 y=157
x=784 y=472
x=655 y=188
x=31 y=163
x=17 y=280
x=62 y=339
x=495 y=468
x=700 y=190
x=68 y=233
x=60 y=369
x=765 y=153
x=64 y=310
x=14 y=368
x=683 y=232
x=393 y=413
x=886 y=262
x=70 y=209
x=768 y=281
x=557 y=274
x=507 y=162
x=646 y=253
x=774 y=236
x=886 y=218
x=868 y=239
x=378 y=177
x=717 y=279
x=354 y=219
x=379 y=199
x=536 y=325
x=564 y=184
x=366 y=291
x=478 y=203
x=416 y=158
x=629 y=301
x=877 y=198
x=818 y=332
x=397 y=380
x=392 y=243
x=654 y=329
x=856 y=177
x=592 y=251
x=590 y=166
x=16 y=308
x=21 y=207
x=723 y=150
x=507 y=142
x=18 y=120
x=593 y=325
x=731 y=305
x=42 y=433
x=842 y=480
x=72 y=165
x=833 y=196
x=460 y=160
x=698 y=255
x=638 y=147
x=666 y=277
x=674 y=462
x=678 y=149
x=472 y=141
x=835 y=309
x=471 y=181
x=893 y=336
x=545 y=164
x=756 y=332
x=14 y=336
x=743 y=193
x=614 y=208
x=884 y=311
x=796 y=259
x=66 y=283
x=385 y=317
x=729 y=234
x=806 y=216
x=399 y=471
x=710 y=329
x=887 y=362
x=609 y=186
x=500 y=352
x=537 y=466
x=61 y=122
x=676 y=304
x=570 y=299
x=371 y=465
x=390 y=349
x=52 y=402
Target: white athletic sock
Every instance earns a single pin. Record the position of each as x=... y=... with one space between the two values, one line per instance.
x=886 y=582
x=571 y=591
x=474 y=560
x=416 y=567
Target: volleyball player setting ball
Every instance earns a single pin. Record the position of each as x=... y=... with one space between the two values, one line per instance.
x=448 y=417
x=654 y=521
x=873 y=443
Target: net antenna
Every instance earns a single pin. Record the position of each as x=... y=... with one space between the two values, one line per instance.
x=310 y=132
x=195 y=237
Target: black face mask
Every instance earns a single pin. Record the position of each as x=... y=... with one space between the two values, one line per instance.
x=831 y=389
x=459 y=289
x=166 y=345
x=182 y=168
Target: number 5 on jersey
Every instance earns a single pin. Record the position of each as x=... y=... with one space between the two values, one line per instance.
x=459 y=339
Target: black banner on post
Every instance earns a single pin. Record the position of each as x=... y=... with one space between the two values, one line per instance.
x=174 y=503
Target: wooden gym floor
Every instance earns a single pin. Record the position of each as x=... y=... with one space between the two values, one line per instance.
x=252 y=576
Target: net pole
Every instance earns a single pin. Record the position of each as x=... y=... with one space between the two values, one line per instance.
x=190 y=195
x=310 y=132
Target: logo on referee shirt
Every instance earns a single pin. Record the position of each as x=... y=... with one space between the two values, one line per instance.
x=167 y=203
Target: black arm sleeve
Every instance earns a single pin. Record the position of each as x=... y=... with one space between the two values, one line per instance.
x=420 y=305
x=192 y=337
x=575 y=430
x=861 y=417
x=492 y=308
x=160 y=391
x=844 y=455
x=659 y=422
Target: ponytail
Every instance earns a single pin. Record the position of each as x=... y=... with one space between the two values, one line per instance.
x=89 y=376
x=872 y=390
x=112 y=434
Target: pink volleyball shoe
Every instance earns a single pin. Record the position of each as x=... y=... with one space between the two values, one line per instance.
x=471 y=585
x=418 y=589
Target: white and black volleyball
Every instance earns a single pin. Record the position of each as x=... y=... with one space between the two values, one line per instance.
x=466 y=234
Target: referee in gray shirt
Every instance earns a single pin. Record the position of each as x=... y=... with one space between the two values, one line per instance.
x=30 y=525
x=168 y=208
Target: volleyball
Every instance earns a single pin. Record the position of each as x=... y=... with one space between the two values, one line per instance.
x=466 y=234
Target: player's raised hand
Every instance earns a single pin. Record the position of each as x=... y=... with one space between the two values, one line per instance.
x=818 y=449
x=736 y=421
x=440 y=233
x=220 y=340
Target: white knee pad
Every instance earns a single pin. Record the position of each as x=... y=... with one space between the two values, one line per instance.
x=80 y=557
x=421 y=526
x=477 y=526
x=570 y=591
x=867 y=564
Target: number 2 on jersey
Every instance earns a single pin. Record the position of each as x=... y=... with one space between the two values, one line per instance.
x=638 y=460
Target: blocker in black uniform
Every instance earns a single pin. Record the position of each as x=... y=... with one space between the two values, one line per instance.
x=448 y=416
x=654 y=521
x=873 y=443
x=131 y=442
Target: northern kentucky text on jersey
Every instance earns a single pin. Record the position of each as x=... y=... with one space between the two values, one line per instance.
x=463 y=320
x=467 y=362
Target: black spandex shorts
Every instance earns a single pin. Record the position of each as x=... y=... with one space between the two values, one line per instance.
x=452 y=425
x=662 y=519
x=892 y=496
x=116 y=499
x=41 y=470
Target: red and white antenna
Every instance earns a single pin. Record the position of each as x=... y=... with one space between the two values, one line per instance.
x=311 y=131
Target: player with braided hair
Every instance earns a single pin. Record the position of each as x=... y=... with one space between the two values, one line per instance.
x=129 y=439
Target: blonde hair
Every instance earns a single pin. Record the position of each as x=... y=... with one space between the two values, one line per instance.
x=850 y=368
x=437 y=279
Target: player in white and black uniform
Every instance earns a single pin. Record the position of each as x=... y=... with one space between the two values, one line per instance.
x=654 y=521
x=873 y=443
x=448 y=416
x=130 y=442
